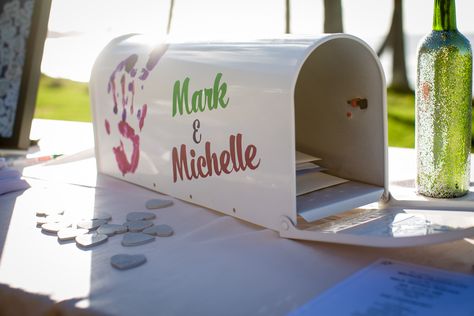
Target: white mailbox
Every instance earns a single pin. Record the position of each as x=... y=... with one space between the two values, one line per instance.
x=281 y=133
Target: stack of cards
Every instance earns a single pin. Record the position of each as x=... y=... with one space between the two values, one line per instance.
x=309 y=176
x=10 y=179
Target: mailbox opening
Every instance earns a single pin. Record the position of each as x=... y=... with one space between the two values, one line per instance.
x=340 y=117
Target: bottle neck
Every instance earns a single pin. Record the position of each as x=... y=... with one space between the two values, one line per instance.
x=444 y=18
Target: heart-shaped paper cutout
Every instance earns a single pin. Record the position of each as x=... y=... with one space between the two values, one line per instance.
x=162 y=230
x=92 y=224
x=71 y=233
x=140 y=216
x=111 y=229
x=91 y=240
x=158 y=203
x=136 y=239
x=138 y=226
x=53 y=228
x=124 y=261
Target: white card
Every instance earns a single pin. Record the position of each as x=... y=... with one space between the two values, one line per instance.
x=302 y=158
x=389 y=287
x=311 y=181
x=307 y=166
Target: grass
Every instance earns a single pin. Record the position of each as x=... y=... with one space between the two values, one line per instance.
x=61 y=99
x=401 y=119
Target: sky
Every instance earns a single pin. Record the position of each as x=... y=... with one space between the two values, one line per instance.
x=81 y=28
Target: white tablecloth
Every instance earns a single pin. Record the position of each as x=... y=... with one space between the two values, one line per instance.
x=212 y=265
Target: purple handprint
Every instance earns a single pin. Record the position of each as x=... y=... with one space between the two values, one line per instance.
x=121 y=86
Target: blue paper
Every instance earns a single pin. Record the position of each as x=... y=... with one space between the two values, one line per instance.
x=388 y=287
x=10 y=181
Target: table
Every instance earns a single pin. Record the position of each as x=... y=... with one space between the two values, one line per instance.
x=212 y=265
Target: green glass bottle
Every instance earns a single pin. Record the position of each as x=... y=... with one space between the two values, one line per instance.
x=443 y=107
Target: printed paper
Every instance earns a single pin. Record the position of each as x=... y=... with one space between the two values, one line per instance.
x=388 y=287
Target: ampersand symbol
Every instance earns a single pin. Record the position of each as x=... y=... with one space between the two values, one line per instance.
x=196 y=126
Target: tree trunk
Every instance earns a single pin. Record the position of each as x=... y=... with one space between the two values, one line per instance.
x=170 y=17
x=287 y=17
x=333 y=16
x=396 y=42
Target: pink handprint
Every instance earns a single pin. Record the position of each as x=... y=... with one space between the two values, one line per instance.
x=122 y=87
